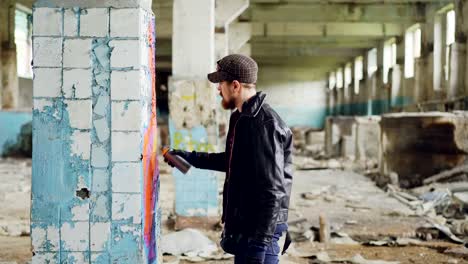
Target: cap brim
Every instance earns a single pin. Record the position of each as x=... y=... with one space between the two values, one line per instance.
x=218 y=76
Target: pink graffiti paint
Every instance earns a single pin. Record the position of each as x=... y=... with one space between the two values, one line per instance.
x=150 y=162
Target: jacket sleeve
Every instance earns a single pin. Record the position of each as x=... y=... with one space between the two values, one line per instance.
x=268 y=180
x=208 y=161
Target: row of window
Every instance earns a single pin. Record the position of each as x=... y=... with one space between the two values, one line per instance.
x=343 y=77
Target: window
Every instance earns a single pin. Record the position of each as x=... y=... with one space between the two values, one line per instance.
x=371 y=61
x=331 y=81
x=389 y=59
x=358 y=73
x=339 y=78
x=412 y=49
x=449 y=40
x=23 y=42
x=348 y=75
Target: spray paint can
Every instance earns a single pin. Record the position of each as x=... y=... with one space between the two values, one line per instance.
x=181 y=164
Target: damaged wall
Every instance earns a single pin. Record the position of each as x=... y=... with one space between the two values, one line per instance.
x=297 y=94
x=94 y=176
x=419 y=145
x=193 y=126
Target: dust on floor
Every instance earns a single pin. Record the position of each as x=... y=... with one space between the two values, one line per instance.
x=350 y=202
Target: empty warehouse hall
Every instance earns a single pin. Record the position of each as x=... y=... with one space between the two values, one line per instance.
x=233 y=131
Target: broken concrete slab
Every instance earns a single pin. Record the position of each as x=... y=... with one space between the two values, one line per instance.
x=336 y=128
x=367 y=137
x=353 y=137
x=419 y=145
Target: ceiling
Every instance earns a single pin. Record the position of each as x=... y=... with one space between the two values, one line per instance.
x=320 y=34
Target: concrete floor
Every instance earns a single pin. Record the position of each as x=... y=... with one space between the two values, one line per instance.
x=351 y=203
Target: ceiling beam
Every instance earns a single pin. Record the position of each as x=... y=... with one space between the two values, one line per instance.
x=337 y=29
x=226 y=11
x=261 y=50
x=332 y=42
x=239 y=34
x=335 y=12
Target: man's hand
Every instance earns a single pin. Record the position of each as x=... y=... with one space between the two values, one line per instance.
x=183 y=154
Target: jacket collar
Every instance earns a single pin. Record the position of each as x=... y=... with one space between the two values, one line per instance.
x=252 y=106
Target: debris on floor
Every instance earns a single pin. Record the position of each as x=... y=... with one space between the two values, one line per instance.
x=188 y=241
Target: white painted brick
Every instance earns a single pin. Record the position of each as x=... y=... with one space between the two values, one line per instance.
x=78 y=80
x=100 y=180
x=47 y=22
x=47 y=52
x=126 y=116
x=41 y=104
x=94 y=22
x=75 y=236
x=102 y=104
x=45 y=237
x=77 y=53
x=100 y=235
x=71 y=23
x=75 y=257
x=126 y=177
x=80 y=113
x=126 y=146
x=81 y=144
x=144 y=54
x=126 y=206
x=101 y=205
x=47 y=82
x=38 y=238
x=126 y=22
x=80 y=212
x=125 y=53
x=126 y=85
x=102 y=129
x=41 y=258
x=99 y=257
x=100 y=157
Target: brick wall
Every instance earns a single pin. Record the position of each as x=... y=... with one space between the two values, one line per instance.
x=95 y=180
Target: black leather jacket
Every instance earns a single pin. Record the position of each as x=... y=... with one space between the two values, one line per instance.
x=258 y=166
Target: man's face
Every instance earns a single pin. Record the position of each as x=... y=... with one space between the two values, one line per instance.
x=226 y=91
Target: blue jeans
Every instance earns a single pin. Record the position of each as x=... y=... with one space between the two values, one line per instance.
x=271 y=254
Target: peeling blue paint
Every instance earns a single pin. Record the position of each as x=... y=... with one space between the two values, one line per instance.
x=126 y=244
x=53 y=187
x=197 y=191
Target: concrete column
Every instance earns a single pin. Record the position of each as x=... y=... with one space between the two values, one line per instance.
x=424 y=67
x=94 y=175
x=340 y=101
x=246 y=49
x=457 y=71
x=438 y=58
x=193 y=105
x=239 y=35
x=397 y=93
x=377 y=83
x=222 y=45
x=9 y=85
x=334 y=101
x=422 y=80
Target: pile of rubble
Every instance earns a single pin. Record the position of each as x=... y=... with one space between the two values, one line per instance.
x=310 y=153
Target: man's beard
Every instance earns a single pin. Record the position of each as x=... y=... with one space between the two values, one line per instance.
x=228 y=105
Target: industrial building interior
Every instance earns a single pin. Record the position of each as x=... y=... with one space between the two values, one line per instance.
x=374 y=91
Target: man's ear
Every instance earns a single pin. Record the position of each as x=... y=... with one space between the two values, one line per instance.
x=236 y=85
